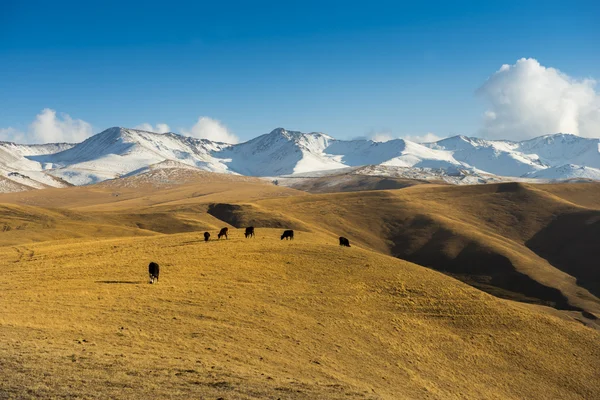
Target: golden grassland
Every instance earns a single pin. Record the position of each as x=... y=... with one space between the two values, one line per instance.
x=265 y=318
x=306 y=319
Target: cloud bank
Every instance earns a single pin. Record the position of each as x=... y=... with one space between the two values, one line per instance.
x=52 y=127
x=528 y=100
x=208 y=128
x=159 y=128
x=48 y=127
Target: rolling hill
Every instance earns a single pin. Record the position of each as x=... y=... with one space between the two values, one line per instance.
x=489 y=236
x=387 y=318
x=264 y=318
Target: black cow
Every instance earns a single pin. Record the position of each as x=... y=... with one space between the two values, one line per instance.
x=344 y=241
x=206 y=236
x=223 y=232
x=249 y=232
x=289 y=234
x=153 y=270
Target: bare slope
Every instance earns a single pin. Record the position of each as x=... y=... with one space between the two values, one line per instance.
x=264 y=318
x=159 y=186
x=346 y=182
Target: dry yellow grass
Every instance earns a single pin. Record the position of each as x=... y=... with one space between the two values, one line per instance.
x=499 y=233
x=265 y=318
x=168 y=188
x=306 y=319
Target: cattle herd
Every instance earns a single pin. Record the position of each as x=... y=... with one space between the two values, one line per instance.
x=153 y=268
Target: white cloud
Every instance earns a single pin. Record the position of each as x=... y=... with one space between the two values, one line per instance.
x=160 y=128
x=528 y=100
x=48 y=127
x=387 y=136
x=382 y=137
x=426 y=138
x=12 y=135
x=208 y=128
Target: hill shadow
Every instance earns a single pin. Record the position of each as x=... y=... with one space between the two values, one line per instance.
x=571 y=243
x=242 y=215
x=471 y=262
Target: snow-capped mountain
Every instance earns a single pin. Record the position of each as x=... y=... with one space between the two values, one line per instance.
x=529 y=158
x=567 y=171
x=495 y=157
x=281 y=152
x=120 y=152
x=20 y=171
x=561 y=149
x=284 y=152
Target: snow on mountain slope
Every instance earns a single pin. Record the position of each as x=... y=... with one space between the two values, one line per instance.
x=284 y=152
x=495 y=157
x=20 y=172
x=561 y=149
x=121 y=152
x=568 y=171
x=399 y=152
x=34 y=149
x=281 y=152
x=14 y=155
x=417 y=155
x=366 y=152
x=525 y=158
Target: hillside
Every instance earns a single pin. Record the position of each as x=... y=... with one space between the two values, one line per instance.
x=383 y=177
x=264 y=318
x=495 y=237
x=507 y=239
x=305 y=319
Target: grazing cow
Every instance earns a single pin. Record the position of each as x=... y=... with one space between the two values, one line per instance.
x=344 y=241
x=206 y=236
x=153 y=270
x=249 y=232
x=289 y=234
x=223 y=232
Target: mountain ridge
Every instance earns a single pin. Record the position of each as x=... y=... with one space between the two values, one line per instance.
x=117 y=152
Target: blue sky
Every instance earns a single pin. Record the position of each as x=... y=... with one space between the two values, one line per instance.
x=348 y=69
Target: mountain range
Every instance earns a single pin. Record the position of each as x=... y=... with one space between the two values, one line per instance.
x=120 y=152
